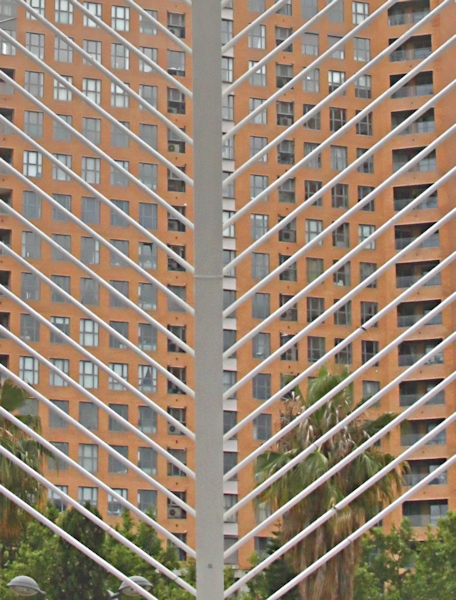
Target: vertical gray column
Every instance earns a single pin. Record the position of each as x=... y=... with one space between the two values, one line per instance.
x=207 y=123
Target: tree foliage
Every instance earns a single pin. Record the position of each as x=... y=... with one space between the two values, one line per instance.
x=12 y=518
x=334 y=580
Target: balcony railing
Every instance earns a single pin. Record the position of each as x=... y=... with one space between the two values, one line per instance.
x=408 y=18
x=408 y=439
x=410 y=399
x=423 y=520
x=408 y=91
x=406 y=360
x=410 y=479
x=430 y=202
x=410 y=54
x=419 y=127
x=431 y=242
x=403 y=281
x=408 y=320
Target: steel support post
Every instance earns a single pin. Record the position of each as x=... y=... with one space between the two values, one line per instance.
x=207 y=133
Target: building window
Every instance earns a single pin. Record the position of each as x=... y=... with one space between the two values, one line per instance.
x=55 y=420
x=260 y=306
x=341 y=236
x=88 y=332
x=315 y=348
x=88 y=457
x=64 y=241
x=120 y=18
x=88 y=374
x=176 y=63
x=342 y=315
x=288 y=232
x=311 y=82
x=88 y=494
x=342 y=276
x=114 y=464
x=147 y=500
x=366 y=270
x=260 y=265
x=339 y=157
x=292 y=352
x=262 y=117
x=146 y=25
x=147 y=460
x=91 y=169
x=315 y=308
x=362 y=50
x=339 y=196
x=147 y=378
x=31 y=245
x=314 y=268
x=261 y=386
x=364 y=231
x=62 y=281
x=290 y=273
x=258 y=183
x=284 y=74
x=59 y=174
x=313 y=228
x=34 y=83
x=335 y=80
x=261 y=345
x=28 y=369
x=176 y=24
x=115 y=507
x=33 y=124
x=89 y=293
x=337 y=118
x=369 y=349
x=285 y=113
x=63 y=365
x=181 y=455
x=176 y=101
x=315 y=161
x=311 y=187
x=368 y=165
x=91 y=129
x=287 y=191
x=63 y=52
x=119 y=96
x=370 y=388
x=360 y=12
x=62 y=133
x=339 y=52
x=120 y=369
x=336 y=14
x=227 y=69
x=285 y=152
x=63 y=12
x=310 y=45
x=95 y=8
x=63 y=324
x=32 y=165
x=92 y=89
x=31 y=205
x=120 y=57
x=88 y=415
x=92 y=47
x=344 y=356
x=291 y=313
x=363 y=87
x=258 y=77
x=117 y=177
x=90 y=210
x=368 y=310
x=257 y=37
x=30 y=286
x=147 y=419
x=313 y=122
x=262 y=427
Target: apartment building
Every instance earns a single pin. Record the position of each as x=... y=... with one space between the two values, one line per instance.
x=127 y=98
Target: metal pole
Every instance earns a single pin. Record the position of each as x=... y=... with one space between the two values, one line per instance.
x=207 y=123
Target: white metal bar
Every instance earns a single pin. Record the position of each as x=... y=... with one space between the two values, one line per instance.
x=348 y=499
x=6 y=292
x=70 y=257
x=296 y=167
x=173 y=38
x=348 y=340
x=295 y=80
x=327 y=100
x=61 y=456
x=149 y=192
x=407 y=373
x=308 y=27
x=98 y=65
x=262 y=17
x=106 y=408
x=316 y=241
x=114 y=533
x=208 y=240
x=363 y=529
x=74 y=542
x=332 y=309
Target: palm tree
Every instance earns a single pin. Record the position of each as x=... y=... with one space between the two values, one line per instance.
x=334 y=580
x=12 y=399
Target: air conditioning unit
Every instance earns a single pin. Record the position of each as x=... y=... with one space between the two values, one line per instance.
x=175 y=512
x=173 y=148
x=174 y=31
x=172 y=110
x=173 y=71
x=173 y=430
x=288 y=236
x=284 y=121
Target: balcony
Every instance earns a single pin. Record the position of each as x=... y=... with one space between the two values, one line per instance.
x=411 y=391
x=8 y=113
x=421 y=85
x=406 y=234
x=402 y=156
x=424 y=124
x=415 y=48
x=419 y=469
x=408 y=13
x=405 y=194
x=6 y=89
x=409 y=273
x=409 y=313
x=4 y=322
x=424 y=512
x=413 y=431
x=410 y=352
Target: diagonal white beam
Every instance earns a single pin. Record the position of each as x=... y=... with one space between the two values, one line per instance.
x=114 y=533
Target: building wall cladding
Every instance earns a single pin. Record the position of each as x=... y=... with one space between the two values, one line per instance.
x=142 y=207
